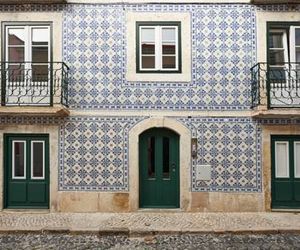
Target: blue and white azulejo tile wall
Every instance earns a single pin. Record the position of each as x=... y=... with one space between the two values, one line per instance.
x=232 y=147
x=94 y=153
x=223 y=51
x=94 y=149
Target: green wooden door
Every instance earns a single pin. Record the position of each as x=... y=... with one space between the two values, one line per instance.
x=285 y=171
x=26 y=171
x=159 y=169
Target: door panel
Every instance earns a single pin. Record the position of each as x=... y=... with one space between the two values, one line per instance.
x=17 y=192
x=285 y=171
x=37 y=192
x=284 y=191
x=159 y=169
x=26 y=171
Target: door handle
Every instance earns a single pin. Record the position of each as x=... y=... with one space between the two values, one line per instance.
x=173 y=167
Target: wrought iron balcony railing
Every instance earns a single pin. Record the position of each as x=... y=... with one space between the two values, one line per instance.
x=34 y=84
x=276 y=86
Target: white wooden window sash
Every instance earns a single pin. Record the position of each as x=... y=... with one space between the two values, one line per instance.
x=32 y=162
x=295 y=68
x=158 y=48
x=284 y=48
x=293 y=45
x=13 y=160
x=297 y=159
x=278 y=159
x=28 y=31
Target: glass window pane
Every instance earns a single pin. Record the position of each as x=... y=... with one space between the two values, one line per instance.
x=276 y=40
x=15 y=73
x=40 y=73
x=297 y=36
x=151 y=157
x=277 y=74
x=18 y=159
x=148 y=49
x=298 y=54
x=16 y=54
x=169 y=49
x=166 y=157
x=297 y=158
x=147 y=34
x=168 y=34
x=16 y=36
x=37 y=160
x=276 y=57
x=40 y=36
x=169 y=62
x=281 y=160
x=148 y=62
x=39 y=54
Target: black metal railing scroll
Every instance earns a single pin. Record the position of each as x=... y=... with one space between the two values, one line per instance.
x=34 y=84
x=275 y=86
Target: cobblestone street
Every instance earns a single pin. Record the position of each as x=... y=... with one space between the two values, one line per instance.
x=184 y=241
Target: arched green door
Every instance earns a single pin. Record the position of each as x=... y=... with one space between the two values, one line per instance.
x=159 y=169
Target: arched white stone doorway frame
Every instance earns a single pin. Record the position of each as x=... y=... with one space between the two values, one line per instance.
x=185 y=158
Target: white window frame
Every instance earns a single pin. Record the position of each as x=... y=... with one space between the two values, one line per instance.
x=285 y=47
x=13 y=160
x=296 y=158
x=287 y=157
x=293 y=43
x=27 y=45
x=158 y=48
x=31 y=160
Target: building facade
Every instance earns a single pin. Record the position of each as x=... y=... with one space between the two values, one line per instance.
x=110 y=106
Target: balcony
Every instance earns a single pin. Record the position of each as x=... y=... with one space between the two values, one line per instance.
x=275 y=90
x=34 y=89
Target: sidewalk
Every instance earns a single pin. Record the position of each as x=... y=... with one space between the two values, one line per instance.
x=145 y=223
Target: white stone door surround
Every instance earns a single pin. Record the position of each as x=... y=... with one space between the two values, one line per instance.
x=185 y=158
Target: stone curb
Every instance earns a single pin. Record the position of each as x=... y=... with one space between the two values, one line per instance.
x=144 y=233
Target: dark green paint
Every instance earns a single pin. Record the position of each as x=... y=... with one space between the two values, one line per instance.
x=159 y=192
x=285 y=191
x=138 y=24
x=25 y=193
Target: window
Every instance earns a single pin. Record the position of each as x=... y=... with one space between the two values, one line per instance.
x=283 y=64
x=158 y=47
x=283 y=44
x=27 y=52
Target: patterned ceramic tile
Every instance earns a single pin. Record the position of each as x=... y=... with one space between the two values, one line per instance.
x=232 y=147
x=223 y=50
x=279 y=8
x=94 y=153
x=31 y=7
x=34 y=120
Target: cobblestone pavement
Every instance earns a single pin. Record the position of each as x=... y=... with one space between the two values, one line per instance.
x=184 y=241
x=149 y=222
